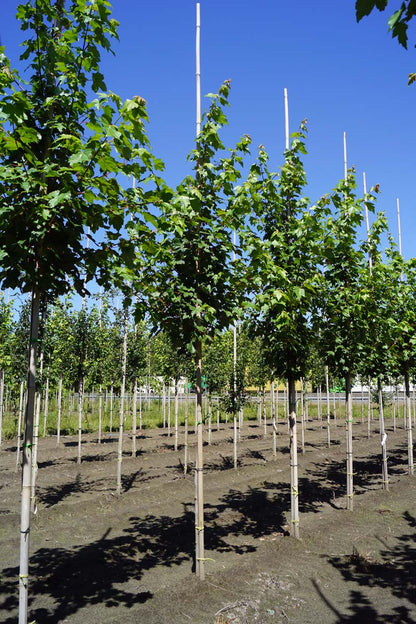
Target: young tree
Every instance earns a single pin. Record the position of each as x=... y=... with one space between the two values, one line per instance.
x=196 y=292
x=61 y=158
x=341 y=319
x=283 y=249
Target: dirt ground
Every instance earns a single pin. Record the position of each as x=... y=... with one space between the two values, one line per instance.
x=99 y=558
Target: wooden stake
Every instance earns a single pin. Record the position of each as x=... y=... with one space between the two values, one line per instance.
x=286 y=119
x=367 y=224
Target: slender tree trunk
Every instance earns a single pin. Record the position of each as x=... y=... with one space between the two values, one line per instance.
x=209 y=421
x=294 y=493
x=409 y=425
x=27 y=462
x=1 y=403
x=58 y=422
x=46 y=406
x=186 y=450
x=176 y=414
x=369 y=409
x=273 y=418
x=302 y=412
x=383 y=437
x=111 y=406
x=199 y=471
x=134 y=420
x=141 y=411
x=328 y=408
x=36 y=435
x=348 y=431
x=169 y=406
x=122 y=393
x=19 y=424
x=80 y=414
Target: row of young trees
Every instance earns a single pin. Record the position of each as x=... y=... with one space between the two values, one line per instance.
x=298 y=274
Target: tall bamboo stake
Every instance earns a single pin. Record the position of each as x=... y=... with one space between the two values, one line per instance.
x=367 y=223
x=286 y=119
x=199 y=471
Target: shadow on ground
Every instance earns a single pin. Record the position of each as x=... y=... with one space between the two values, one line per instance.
x=393 y=571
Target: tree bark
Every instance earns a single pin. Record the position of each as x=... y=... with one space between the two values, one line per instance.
x=121 y=413
x=294 y=493
x=409 y=428
x=348 y=433
x=383 y=437
x=27 y=461
x=199 y=471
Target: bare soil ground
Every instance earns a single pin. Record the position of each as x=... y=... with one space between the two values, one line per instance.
x=99 y=558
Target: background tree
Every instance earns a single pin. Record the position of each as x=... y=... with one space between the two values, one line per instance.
x=61 y=158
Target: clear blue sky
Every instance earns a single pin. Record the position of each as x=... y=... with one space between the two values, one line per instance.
x=341 y=75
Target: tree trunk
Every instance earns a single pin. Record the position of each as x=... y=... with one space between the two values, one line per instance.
x=185 y=450
x=58 y=423
x=294 y=494
x=199 y=471
x=111 y=406
x=328 y=408
x=36 y=436
x=46 y=405
x=176 y=414
x=169 y=428
x=348 y=432
x=369 y=409
x=383 y=437
x=273 y=418
x=409 y=425
x=121 y=413
x=1 y=402
x=27 y=462
x=80 y=414
x=19 y=424
x=134 y=420
x=302 y=415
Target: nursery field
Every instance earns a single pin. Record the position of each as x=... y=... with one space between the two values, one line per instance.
x=99 y=557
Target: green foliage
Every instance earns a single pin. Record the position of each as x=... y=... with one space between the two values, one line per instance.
x=340 y=315
x=283 y=245
x=61 y=155
x=196 y=291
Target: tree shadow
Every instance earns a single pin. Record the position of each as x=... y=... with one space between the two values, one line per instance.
x=393 y=571
x=367 y=473
x=67 y=580
x=85 y=459
x=226 y=463
x=55 y=494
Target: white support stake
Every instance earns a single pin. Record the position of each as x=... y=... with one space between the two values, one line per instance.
x=286 y=120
